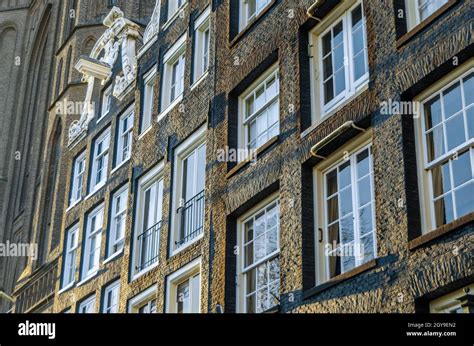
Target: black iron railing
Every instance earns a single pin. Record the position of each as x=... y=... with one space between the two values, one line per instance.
x=192 y=219
x=148 y=246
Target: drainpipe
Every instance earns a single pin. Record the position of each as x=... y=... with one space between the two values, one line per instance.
x=311 y=9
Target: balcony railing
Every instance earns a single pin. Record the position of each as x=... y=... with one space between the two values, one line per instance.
x=192 y=219
x=148 y=246
x=39 y=287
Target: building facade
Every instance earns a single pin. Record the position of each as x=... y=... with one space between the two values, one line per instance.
x=240 y=156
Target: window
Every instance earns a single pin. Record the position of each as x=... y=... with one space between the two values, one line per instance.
x=258 y=260
x=93 y=237
x=100 y=160
x=190 y=159
x=174 y=6
x=111 y=298
x=184 y=289
x=419 y=10
x=124 y=148
x=340 y=62
x=87 y=306
x=173 y=81
x=457 y=302
x=70 y=254
x=346 y=217
x=118 y=221
x=202 y=35
x=249 y=10
x=260 y=111
x=106 y=102
x=149 y=220
x=446 y=137
x=147 y=103
x=144 y=303
x=78 y=169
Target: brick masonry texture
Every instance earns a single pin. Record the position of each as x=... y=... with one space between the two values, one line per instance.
x=401 y=277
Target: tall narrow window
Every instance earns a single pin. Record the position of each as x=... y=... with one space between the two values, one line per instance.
x=340 y=60
x=106 y=102
x=184 y=289
x=173 y=7
x=349 y=223
x=77 y=179
x=419 y=10
x=173 y=81
x=147 y=101
x=260 y=111
x=447 y=134
x=144 y=303
x=111 y=298
x=249 y=10
x=100 y=160
x=124 y=147
x=118 y=221
x=93 y=238
x=70 y=255
x=148 y=226
x=87 y=306
x=258 y=262
x=202 y=44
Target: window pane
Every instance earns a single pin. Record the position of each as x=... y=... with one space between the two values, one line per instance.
x=359 y=65
x=327 y=44
x=465 y=199
x=333 y=234
x=357 y=16
x=455 y=131
x=259 y=248
x=340 y=80
x=347 y=229
x=338 y=34
x=346 y=201
x=333 y=211
x=344 y=174
x=328 y=90
x=444 y=210
x=363 y=163
x=365 y=220
x=433 y=113
x=452 y=100
x=251 y=281
x=334 y=265
x=327 y=67
x=435 y=142
x=462 y=171
x=331 y=183
x=364 y=191
x=368 y=247
x=348 y=262
x=469 y=89
x=470 y=121
x=441 y=179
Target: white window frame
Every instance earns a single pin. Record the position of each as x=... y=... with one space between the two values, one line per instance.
x=353 y=87
x=145 y=297
x=174 y=9
x=196 y=140
x=241 y=269
x=351 y=150
x=111 y=300
x=244 y=18
x=273 y=100
x=153 y=177
x=424 y=166
x=125 y=135
x=412 y=8
x=202 y=45
x=88 y=304
x=190 y=273
x=70 y=257
x=90 y=234
x=78 y=175
x=106 y=102
x=175 y=56
x=149 y=80
x=115 y=215
x=96 y=156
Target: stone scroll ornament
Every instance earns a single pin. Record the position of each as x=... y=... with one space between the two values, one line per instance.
x=119 y=38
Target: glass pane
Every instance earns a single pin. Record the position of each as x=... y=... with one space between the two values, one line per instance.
x=248 y=231
x=248 y=254
x=363 y=163
x=338 y=34
x=348 y=262
x=462 y=171
x=340 y=81
x=435 y=142
x=346 y=201
x=433 y=113
x=359 y=66
x=272 y=241
x=339 y=57
x=334 y=265
x=274 y=272
x=470 y=121
x=333 y=211
x=262 y=124
x=259 y=248
x=368 y=247
x=364 y=190
x=357 y=41
x=272 y=217
x=188 y=177
x=249 y=106
x=251 y=304
x=260 y=98
x=452 y=100
x=469 y=89
x=274 y=294
x=259 y=224
x=331 y=183
x=365 y=219
x=441 y=179
x=328 y=90
x=252 y=134
x=327 y=67
x=262 y=276
x=251 y=281
x=357 y=16
x=444 y=210
x=465 y=199
x=344 y=174
x=455 y=131
x=262 y=300
x=273 y=114
x=201 y=169
x=347 y=229
x=326 y=44
x=272 y=88
x=333 y=235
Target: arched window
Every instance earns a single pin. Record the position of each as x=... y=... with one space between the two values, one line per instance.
x=59 y=76
x=88 y=45
x=68 y=67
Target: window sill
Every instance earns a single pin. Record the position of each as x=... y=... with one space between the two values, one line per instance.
x=174 y=16
x=119 y=166
x=113 y=256
x=147 y=46
x=148 y=129
x=237 y=168
x=87 y=279
x=102 y=117
x=144 y=271
x=66 y=288
x=200 y=79
x=421 y=26
x=440 y=231
x=339 y=279
x=72 y=206
x=97 y=188
x=247 y=28
x=183 y=247
x=170 y=107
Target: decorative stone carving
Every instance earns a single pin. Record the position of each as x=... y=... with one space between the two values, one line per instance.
x=121 y=35
x=153 y=27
